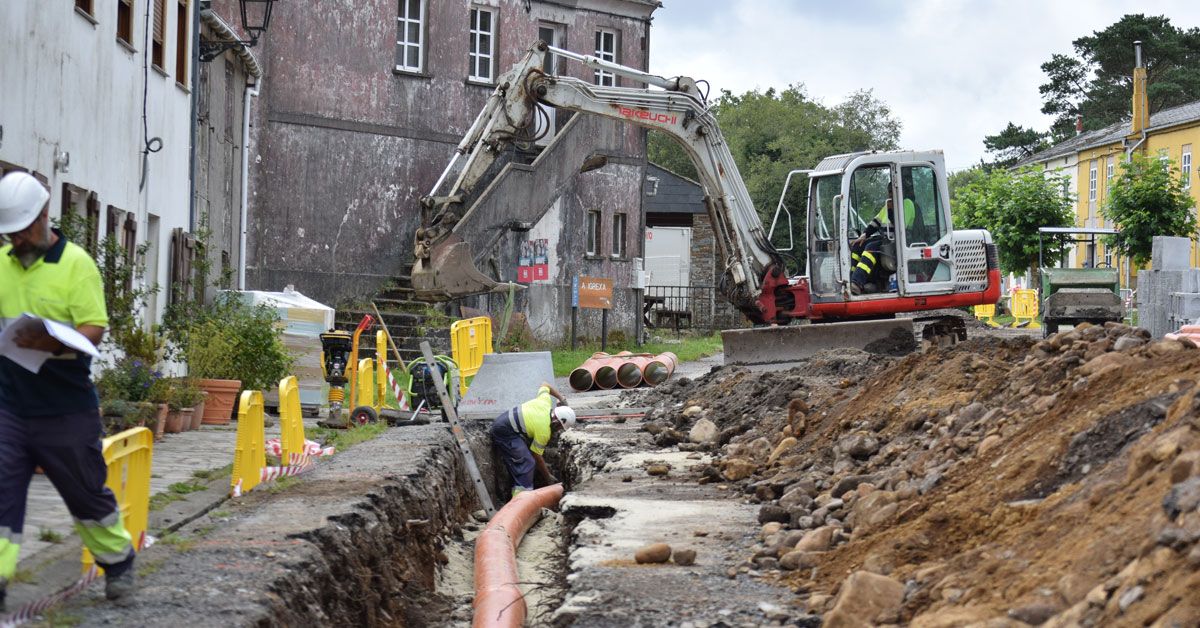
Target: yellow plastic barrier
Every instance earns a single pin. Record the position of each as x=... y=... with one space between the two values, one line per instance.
x=470 y=340
x=129 y=456
x=1025 y=308
x=291 y=420
x=381 y=349
x=987 y=314
x=249 y=456
x=365 y=395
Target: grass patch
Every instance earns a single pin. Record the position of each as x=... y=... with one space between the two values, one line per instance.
x=212 y=474
x=282 y=484
x=148 y=568
x=174 y=493
x=219 y=514
x=688 y=349
x=347 y=438
x=57 y=617
x=177 y=542
x=22 y=576
x=46 y=535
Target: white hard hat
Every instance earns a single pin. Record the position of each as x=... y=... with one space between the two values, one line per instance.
x=566 y=415
x=22 y=198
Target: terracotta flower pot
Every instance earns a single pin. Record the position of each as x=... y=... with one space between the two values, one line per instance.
x=198 y=412
x=160 y=420
x=222 y=393
x=175 y=422
x=185 y=418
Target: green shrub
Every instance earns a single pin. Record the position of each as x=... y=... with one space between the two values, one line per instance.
x=229 y=339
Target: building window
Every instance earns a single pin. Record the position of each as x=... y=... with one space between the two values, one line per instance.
x=618 y=235
x=410 y=36
x=125 y=21
x=182 y=41
x=1092 y=182
x=157 y=41
x=85 y=6
x=1185 y=165
x=1109 y=169
x=606 y=50
x=593 y=232
x=228 y=100
x=483 y=45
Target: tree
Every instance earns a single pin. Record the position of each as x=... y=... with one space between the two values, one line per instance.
x=1145 y=200
x=1013 y=144
x=1096 y=82
x=773 y=132
x=1013 y=206
x=963 y=178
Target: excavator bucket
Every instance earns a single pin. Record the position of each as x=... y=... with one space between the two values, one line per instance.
x=449 y=273
x=789 y=343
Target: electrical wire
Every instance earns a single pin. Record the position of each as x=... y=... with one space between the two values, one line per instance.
x=151 y=144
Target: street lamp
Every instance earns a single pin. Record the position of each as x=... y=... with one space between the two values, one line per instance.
x=256 y=18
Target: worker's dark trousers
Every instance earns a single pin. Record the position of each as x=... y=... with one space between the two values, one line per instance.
x=867 y=260
x=68 y=450
x=514 y=451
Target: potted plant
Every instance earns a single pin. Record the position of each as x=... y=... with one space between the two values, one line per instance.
x=160 y=395
x=190 y=398
x=229 y=346
x=125 y=390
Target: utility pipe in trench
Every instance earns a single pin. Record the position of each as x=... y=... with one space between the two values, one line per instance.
x=499 y=602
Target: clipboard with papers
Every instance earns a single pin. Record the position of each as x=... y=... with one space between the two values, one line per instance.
x=32 y=359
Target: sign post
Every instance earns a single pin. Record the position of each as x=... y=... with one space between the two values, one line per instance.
x=594 y=293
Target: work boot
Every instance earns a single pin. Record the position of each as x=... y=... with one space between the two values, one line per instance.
x=121 y=587
x=856 y=288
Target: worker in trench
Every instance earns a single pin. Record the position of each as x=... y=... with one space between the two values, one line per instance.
x=522 y=433
x=49 y=415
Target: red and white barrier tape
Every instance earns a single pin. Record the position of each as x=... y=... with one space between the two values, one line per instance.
x=32 y=609
x=398 y=392
x=274 y=447
x=299 y=463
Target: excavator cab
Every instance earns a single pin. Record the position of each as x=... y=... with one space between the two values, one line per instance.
x=881 y=220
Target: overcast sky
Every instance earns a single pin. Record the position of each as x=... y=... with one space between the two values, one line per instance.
x=952 y=71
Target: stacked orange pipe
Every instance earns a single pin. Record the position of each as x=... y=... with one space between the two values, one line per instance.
x=627 y=370
x=498 y=600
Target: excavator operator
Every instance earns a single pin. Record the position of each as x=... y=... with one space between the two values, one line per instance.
x=866 y=249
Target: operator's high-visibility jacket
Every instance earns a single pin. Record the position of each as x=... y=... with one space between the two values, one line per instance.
x=883 y=222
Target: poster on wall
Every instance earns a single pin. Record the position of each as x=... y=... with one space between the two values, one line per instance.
x=533 y=263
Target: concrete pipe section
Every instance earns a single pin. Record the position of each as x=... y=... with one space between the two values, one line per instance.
x=499 y=602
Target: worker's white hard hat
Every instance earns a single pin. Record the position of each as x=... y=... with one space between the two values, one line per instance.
x=22 y=198
x=565 y=415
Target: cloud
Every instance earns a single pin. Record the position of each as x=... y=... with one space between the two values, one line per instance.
x=952 y=71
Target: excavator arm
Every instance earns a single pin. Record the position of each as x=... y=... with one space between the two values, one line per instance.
x=445 y=264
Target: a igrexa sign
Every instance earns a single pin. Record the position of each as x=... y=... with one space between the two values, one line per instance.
x=594 y=292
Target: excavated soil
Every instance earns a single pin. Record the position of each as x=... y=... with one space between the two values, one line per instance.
x=1002 y=481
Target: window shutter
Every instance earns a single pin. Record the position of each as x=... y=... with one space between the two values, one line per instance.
x=160 y=20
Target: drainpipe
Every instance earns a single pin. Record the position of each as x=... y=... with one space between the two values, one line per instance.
x=251 y=92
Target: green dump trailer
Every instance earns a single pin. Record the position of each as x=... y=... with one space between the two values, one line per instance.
x=1070 y=296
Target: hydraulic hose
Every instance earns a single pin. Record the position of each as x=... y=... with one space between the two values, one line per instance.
x=499 y=602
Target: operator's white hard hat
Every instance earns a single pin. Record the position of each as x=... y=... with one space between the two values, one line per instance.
x=565 y=415
x=22 y=198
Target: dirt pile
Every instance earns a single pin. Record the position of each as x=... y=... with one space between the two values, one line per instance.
x=1004 y=481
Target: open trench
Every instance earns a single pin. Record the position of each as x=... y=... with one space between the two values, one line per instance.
x=382 y=535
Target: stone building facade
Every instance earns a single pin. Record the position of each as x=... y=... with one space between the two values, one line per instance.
x=361 y=107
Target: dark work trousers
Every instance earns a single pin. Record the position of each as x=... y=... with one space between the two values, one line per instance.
x=68 y=449
x=867 y=261
x=514 y=450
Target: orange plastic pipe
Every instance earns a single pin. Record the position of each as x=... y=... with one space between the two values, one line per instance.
x=660 y=368
x=583 y=377
x=498 y=599
x=630 y=374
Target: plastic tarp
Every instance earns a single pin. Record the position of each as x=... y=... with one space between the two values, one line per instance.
x=303 y=320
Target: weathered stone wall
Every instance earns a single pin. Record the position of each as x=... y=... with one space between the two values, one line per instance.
x=347 y=145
